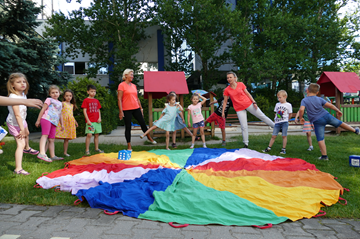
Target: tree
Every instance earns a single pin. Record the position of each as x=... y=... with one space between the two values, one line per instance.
x=23 y=50
x=203 y=25
x=109 y=31
x=285 y=40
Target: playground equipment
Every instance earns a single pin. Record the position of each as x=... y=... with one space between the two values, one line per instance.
x=333 y=85
x=158 y=84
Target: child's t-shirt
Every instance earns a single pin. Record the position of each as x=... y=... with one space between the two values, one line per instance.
x=11 y=119
x=92 y=107
x=196 y=115
x=314 y=106
x=282 y=111
x=130 y=96
x=219 y=109
x=53 y=112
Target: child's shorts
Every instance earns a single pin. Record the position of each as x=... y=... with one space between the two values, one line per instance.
x=283 y=126
x=218 y=120
x=319 y=125
x=308 y=127
x=94 y=128
x=15 y=130
x=199 y=124
x=47 y=128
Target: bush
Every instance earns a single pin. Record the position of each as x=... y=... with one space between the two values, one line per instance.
x=109 y=110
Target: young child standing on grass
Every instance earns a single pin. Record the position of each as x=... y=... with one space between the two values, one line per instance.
x=167 y=118
x=319 y=117
x=282 y=111
x=216 y=116
x=179 y=123
x=70 y=124
x=197 y=118
x=307 y=125
x=91 y=108
x=49 y=118
x=18 y=87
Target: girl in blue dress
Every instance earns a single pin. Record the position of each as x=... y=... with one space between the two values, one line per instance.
x=167 y=118
x=179 y=124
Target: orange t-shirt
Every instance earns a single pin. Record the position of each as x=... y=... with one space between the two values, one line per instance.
x=240 y=100
x=130 y=96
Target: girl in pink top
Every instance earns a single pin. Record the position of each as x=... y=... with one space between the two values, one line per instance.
x=49 y=117
x=197 y=118
x=242 y=102
x=129 y=106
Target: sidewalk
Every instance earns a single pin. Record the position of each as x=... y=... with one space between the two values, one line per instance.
x=117 y=136
x=75 y=222
x=65 y=222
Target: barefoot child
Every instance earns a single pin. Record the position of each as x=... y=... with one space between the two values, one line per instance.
x=49 y=118
x=179 y=123
x=197 y=118
x=70 y=124
x=319 y=117
x=282 y=111
x=167 y=118
x=18 y=87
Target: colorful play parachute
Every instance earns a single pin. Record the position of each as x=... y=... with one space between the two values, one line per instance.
x=199 y=186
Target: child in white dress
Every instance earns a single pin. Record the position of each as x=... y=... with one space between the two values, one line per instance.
x=167 y=118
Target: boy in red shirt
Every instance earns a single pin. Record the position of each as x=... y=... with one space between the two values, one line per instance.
x=91 y=108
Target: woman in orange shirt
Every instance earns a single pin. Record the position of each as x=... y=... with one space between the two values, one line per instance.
x=129 y=106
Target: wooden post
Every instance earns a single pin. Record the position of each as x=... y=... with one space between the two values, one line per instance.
x=212 y=111
x=182 y=104
x=338 y=97
x=150 y=112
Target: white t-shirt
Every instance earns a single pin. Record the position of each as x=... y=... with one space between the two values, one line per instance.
x=11 y=119
x=282 y=112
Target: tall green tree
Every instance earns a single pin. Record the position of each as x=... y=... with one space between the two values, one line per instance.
x=204 y=26
x=284 y=40
x=24 y=50
x=108 y=31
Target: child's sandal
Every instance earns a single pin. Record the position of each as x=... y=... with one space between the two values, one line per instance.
x=174 y=145
x=22 y=172
x=87 y=153
x=99 y=151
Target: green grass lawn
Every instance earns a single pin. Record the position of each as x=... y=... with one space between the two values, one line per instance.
x=19 y=189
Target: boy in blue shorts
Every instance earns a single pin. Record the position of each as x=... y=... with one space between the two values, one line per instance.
x=319 y=117
x=91 y=108
x=282 y=110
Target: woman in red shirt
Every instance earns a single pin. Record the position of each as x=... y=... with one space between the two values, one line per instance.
x=242 y=102
x=129 y=106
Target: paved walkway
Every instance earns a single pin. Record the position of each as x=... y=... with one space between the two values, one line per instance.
x=64 y=222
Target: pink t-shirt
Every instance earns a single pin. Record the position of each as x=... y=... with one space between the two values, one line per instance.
x=53 y=112
x=195 y=111
x=130 y=96
x=238 y=97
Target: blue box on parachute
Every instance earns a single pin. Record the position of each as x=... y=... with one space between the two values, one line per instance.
x=354 y=160
x=124 y=155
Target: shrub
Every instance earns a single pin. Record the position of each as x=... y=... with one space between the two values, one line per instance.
x=109 y=110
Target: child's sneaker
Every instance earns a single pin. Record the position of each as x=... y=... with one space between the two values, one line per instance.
x=56 y=158
x=283 y=151
x=357 y=131
x=311 y=148
x=223 y=143
x=245 y=146
x=44 y=157
x=267 y=150
x=192 y=146
x=323 y=158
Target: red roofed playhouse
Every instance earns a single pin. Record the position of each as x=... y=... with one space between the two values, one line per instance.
x=158 y=84
x=334 y=84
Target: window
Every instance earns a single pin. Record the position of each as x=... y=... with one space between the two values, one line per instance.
x=80 y=68
x=69 y=67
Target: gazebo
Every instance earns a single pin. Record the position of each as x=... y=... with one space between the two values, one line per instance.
x=334 y=84
x=158 y=84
